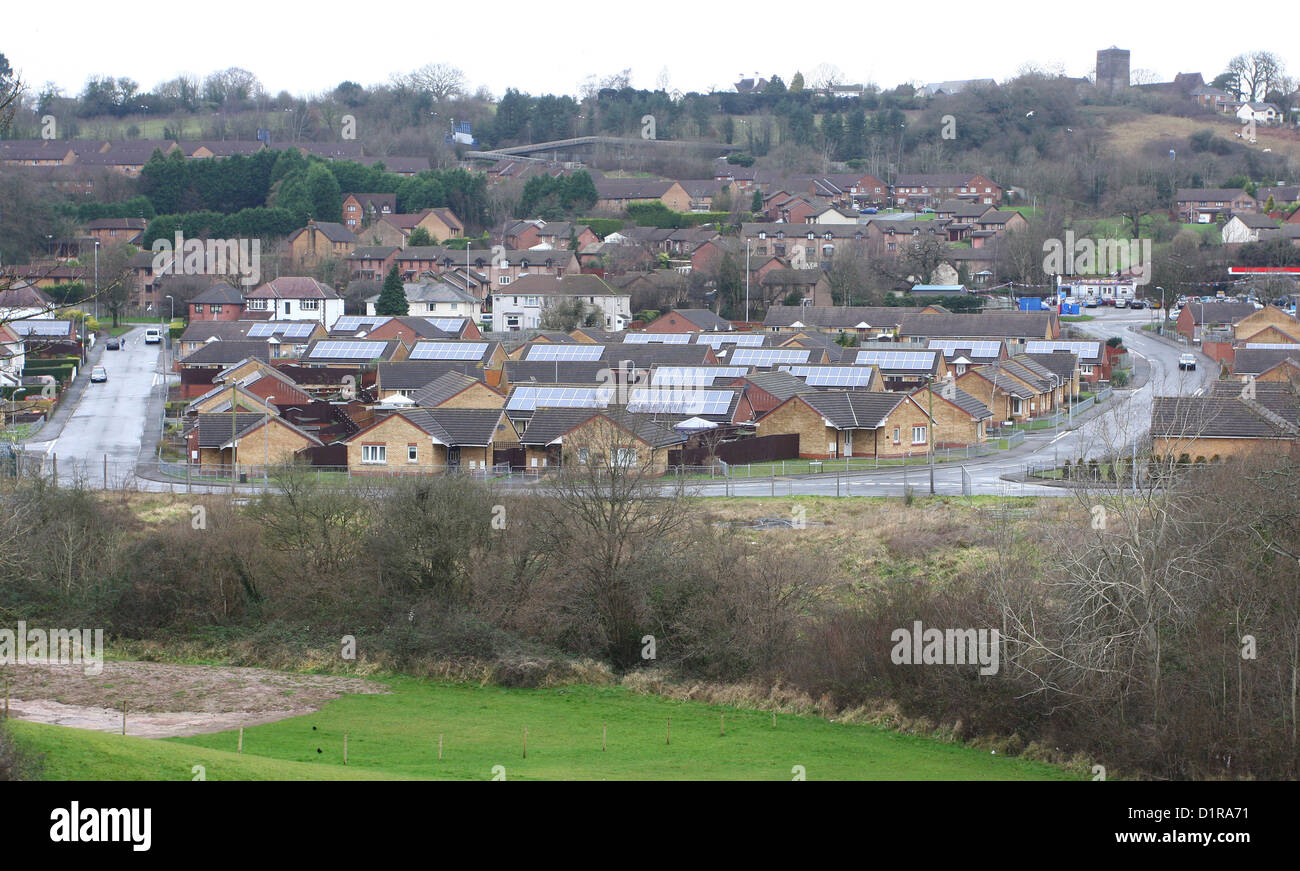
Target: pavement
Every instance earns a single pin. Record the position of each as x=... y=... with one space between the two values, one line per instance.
x=116 y=425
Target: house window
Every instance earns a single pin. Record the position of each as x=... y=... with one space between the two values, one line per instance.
x=308 y=305
x=412 y=453
x=215 y=309
x=897 y=435
x=1017 y=405
x=918 y=435
x=583 y=455
x=198 y=308
x=504 y=279
x=1086 y=369
x=532 y=301
x=376 y=454
x=257 y=305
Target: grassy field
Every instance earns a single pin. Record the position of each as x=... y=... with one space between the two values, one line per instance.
x=396 y=736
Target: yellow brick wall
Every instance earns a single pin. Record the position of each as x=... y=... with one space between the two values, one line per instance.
x=284 y=443
x=478 y=396
x=1223 y=448
x=396 y=432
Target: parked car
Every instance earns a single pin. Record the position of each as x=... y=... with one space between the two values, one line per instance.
x=113 y=345
x=1137 y=303
x=1187 y=361
x=99 y=373
x=870 y=210
x=152 y=336
x=1090 y=302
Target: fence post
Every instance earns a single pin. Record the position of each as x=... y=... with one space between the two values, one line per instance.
x=105 y=471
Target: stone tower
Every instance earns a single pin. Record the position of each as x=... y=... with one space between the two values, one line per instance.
x=1112 y=70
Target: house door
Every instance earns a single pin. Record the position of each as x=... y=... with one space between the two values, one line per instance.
x=453 y=457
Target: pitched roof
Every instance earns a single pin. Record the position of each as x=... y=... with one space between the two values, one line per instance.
x=1027 y=325
x=551 y=424
x=567 y=285
x=846 y=317
x=414 y=374
x=1219 y=312
x=853 y=409
x=227 y=352
x=779 y=383
x=1216 y=416
x=1254 y=361
x=293 y=287
x=443 y=388
x=702 y=318
x=220 y=294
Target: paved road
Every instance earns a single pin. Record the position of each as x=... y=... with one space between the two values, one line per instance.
x=107 y=419
x=110 y=419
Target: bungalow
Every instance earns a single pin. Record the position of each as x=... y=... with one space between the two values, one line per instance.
x=242 y=440
x=1260 y=113
x=863 y=321
x=1246 y=228
x=812 y=287
x=616 y=194
x=1252 y=327
x=920 y=189
x=1226 y=424
x=430 y=440
x=851 y=423
x=1198 y=318
x=585 y=438
x=200 y=368
x=457 y=390
x=688 y=320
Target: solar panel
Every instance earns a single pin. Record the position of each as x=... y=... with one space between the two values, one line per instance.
x=448 y=350
x=288 y=331
x=657 y=338
x=833 y=376
x=352 y=323
x=565 y=352
x=32 y=327
x=740 y=340
x=1088 y=350
x=1266 y=346
x=654 y=400
x=448 y=325
x=528 y=398
x=916 y=360
x=339 y=350
x=694 y=376
x=769 y=356
x=975 y=349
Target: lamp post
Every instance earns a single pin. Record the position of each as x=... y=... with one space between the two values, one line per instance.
x=266 y=460
x=171 y=316
x=13 y=399
x=1160 y=326
x=929 y=429
x=96 y=279
x=747 y=241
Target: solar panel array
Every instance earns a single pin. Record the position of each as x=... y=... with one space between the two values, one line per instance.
x=32 y=327
x=669 y=401
x=974 y=349
x=339 y=350
x=694 y=376
x=565 y=352
x=657 y=338
x=448 y=350
x=1261 y=346
x=1089 y=350
x=769 y=356
x=918 y=360
x=529 y=398
x=285 y=331
x=833 y=376
x=448 y=325
x=740 y=340
x=352 y=323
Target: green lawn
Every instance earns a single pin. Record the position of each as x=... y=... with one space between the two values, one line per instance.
x=1074 y=319
x=483 y=726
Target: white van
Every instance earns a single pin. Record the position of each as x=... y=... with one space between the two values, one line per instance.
x=152 y=336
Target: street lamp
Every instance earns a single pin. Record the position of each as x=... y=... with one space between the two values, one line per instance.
x=266 y=460
x=96 y=279
x=171 y=316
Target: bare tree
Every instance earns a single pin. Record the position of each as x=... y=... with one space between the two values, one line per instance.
x=440 y=81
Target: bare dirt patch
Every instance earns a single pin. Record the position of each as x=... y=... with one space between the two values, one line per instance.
x=165 y=700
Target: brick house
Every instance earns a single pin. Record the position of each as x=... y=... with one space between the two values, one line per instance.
x=220 y=302
x=1197 y=318
x=1253 y=325
x=362 y=210
x=560 y=437
x=320 y=241
x=853 y=423
x=616 y=194
x=115 y=231
x=430 y=441
x=395 y=229
x=688 y=320
x=1209 y=205
x=294 y=298
x=1224 y=424
x=372 y=262
x=253 y=441
x=918 y=190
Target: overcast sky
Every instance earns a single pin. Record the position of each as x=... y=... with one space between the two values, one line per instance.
x=540 y=47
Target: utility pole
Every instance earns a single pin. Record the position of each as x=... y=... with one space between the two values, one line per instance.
x=234 y=418
x=930 y=430
x=747 y=241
